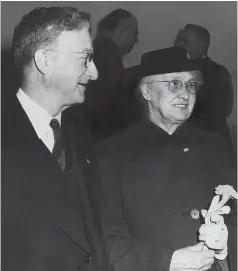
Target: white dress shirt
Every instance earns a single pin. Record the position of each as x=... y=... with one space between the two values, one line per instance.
x=39 y=118
x=188 y=56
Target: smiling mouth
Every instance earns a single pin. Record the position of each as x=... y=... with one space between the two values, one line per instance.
x=180 y=105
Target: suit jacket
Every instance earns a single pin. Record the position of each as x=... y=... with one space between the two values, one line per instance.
x=47 y=221
x=154 y=186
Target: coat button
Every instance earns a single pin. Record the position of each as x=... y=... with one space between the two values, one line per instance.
x=195 y=214
x=87 y=258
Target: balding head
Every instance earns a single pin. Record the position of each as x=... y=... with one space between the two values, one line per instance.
x=122 y=27
x=194 y=39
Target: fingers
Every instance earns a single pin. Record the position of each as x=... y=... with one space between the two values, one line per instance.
x=217 y=219
x=214 y=203
x=212 y=229
x=213 y=243
x=214 y=235
x=209 y=261
x=208 y=254
x=207 y=267
x=193 y=258
x=197 y=247
x=222 y=203
x=216 y=207
x=206 y=237
x=207 y=264
x=224 y=210
x=203 y=212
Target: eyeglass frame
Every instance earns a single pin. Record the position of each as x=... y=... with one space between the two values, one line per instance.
x=89 y=56
x=181 y=85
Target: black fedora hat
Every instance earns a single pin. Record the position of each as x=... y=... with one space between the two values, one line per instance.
x=167 y=60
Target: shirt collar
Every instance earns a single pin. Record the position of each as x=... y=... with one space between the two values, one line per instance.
x=38 y=116
x=190 y=58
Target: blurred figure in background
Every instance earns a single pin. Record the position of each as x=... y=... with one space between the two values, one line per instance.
x=215 y=99
x=117 y=34
x=128 y=106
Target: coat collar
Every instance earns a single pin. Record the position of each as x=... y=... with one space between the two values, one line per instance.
x=153 y=133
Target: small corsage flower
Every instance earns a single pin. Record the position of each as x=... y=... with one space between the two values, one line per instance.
x=226 y=191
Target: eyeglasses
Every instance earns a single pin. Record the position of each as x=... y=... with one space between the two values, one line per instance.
x=87 y=54
x=177 y=85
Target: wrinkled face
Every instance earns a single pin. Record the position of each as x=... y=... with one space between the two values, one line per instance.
x=168 y=105
x=72 y=66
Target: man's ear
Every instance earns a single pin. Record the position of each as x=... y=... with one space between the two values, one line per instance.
x=121 y=34
x=41 y=61
x=145 y=92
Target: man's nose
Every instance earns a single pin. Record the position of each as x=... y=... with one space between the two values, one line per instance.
x=92 y=71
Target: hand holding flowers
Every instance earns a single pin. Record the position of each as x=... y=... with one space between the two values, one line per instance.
x=214 y=232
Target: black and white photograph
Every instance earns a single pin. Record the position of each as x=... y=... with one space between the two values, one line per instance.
x=119 y=135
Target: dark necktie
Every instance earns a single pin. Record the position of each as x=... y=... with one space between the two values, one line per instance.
x=59 y=149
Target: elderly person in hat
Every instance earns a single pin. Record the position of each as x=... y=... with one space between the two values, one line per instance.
x=159 y=174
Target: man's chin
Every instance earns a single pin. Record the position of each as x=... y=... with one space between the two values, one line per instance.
x=81 y=99
x=80 y=94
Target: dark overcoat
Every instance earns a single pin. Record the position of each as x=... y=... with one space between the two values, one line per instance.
x=215 y=98
x=154 y=186
x=47 y=221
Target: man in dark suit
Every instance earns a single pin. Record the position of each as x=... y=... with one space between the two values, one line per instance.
x=47 y=219
x=215 y=99
x=159 y=174
x=116 y=36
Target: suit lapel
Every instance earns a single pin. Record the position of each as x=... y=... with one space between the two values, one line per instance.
x=84 y=168
x=48 y=183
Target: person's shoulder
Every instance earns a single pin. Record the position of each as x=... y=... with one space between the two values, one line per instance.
x=211 y=140
x=209 y=135
x=218 y=68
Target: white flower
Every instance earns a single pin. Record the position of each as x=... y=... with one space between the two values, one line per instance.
x=226 y=191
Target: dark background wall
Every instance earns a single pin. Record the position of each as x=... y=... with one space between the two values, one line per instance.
x=159 y=21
